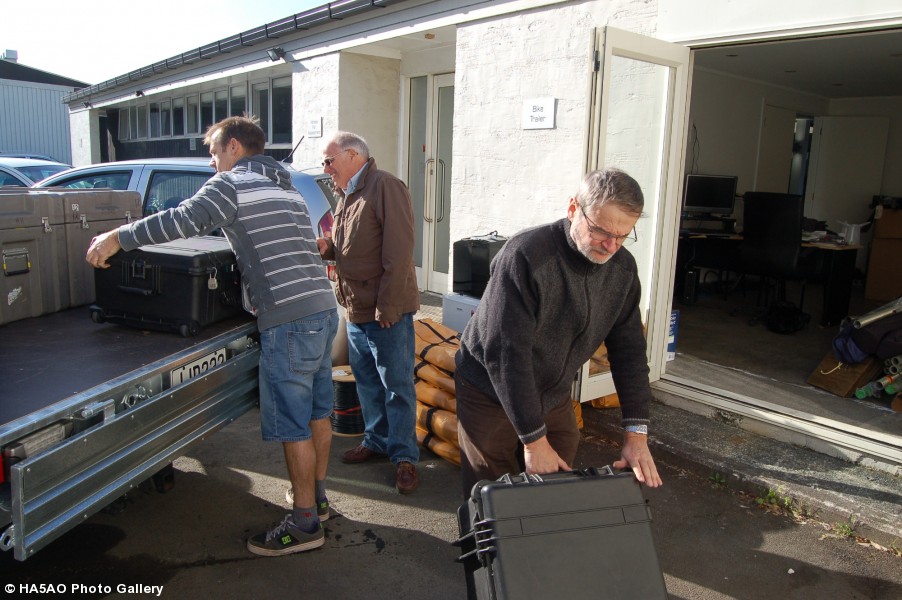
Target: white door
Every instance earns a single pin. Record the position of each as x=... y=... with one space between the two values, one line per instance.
x=638 y=125
x=431 y=107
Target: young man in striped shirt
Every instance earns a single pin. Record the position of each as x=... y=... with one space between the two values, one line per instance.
x=285 y=286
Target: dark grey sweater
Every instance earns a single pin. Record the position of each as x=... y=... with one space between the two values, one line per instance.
x=265 y=221
x=545 y=311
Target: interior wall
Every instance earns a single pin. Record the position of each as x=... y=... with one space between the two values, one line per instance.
x=369 y=94
x=725 y=124
x=880 y=107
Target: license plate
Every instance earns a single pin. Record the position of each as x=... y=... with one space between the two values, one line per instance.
x=197 y=367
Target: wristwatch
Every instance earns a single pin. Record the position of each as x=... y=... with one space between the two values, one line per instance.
x=640 y=429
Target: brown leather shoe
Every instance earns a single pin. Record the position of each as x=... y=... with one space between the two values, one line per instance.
x=407 y=480
x=360 y=454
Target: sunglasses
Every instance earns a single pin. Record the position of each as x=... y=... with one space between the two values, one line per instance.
x=327 y=162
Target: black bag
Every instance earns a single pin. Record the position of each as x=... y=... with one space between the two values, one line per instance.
x=785 y=317
x=577 y=534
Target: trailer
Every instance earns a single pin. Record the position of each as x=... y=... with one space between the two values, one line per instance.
x=89 y=411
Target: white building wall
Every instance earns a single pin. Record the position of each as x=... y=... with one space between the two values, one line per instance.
x=314 y=87
x=85 y=148
x=33 y=118
x=507 y=178
x=711 y=20
x=370 y=102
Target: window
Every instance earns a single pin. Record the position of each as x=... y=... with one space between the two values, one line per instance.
x=260 y=106
x=123 y=123
x=239 y=101
x=165 y=124
x=133 y=123
x=168 y=189
x=154 y=119
x=221 y=105
x=281 y=110
x=113 y=181
x=8 y=179
x=39 y=172
x=178 y=116
x=142 y=121
x=206 y=110
x=191 y=115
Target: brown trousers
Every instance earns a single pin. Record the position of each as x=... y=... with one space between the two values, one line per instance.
x=489 y=445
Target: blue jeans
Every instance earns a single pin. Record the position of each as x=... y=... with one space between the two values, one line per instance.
x=382 y=363
x=296 y=376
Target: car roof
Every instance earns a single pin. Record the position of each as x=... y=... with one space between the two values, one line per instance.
x=189 y=161
x=16 y=162
x=28 y=155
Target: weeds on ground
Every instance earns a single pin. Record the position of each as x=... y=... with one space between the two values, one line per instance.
x=779 y=502
x=718 y=481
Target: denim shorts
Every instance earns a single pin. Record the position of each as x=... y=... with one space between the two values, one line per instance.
x=296 y=376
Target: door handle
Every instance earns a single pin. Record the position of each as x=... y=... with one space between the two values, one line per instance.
x=442 y=192
x=426 y=179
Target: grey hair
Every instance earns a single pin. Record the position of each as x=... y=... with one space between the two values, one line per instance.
x=351 y=141
x=611 y=186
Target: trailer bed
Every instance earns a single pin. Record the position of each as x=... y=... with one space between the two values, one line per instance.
x=46 y=359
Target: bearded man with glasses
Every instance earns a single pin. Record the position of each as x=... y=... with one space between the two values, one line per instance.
x=555 y=293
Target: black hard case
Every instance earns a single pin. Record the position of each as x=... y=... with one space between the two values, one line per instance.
x=581 y=534
x=181 y=286
x=472 y=257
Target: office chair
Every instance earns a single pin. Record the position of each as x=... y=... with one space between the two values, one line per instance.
x=772 y=231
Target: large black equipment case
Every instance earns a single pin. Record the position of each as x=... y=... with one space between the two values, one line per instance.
x=574 y=535
x=182 y=286
x=472 y=257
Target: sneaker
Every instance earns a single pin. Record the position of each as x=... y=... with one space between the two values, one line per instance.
x=322 y=508
x=285 y=539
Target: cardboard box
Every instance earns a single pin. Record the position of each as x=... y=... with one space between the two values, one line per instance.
x=457 y=310
x=889 y=224
x=884 y=281
x=842 y=379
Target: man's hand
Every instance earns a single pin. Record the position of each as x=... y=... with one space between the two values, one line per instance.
x=324 y=245
x=635 y=455
x=102 y=247
x=541 y=458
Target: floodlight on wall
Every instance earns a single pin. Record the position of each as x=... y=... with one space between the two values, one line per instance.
x=276 y=53
x=88 y=105
x=139 y=93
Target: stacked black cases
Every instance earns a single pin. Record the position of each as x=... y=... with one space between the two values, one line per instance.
x=582 y=534
x=472 y=257
x=179 y=286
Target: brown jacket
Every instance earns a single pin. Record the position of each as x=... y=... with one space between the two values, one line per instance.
x=372 y=245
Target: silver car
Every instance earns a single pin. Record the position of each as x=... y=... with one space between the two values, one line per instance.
x=164 y=182
x=24 y=172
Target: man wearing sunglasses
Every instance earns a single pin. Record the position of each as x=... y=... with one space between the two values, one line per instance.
x=372 y=245
x=555 y=293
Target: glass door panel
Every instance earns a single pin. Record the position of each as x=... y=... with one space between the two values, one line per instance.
x=637 y=126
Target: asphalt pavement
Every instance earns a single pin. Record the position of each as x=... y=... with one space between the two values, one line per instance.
x=712 y=541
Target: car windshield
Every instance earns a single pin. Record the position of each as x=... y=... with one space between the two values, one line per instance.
x=39 y=172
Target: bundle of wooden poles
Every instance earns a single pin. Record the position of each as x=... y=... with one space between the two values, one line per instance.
x=433 y=370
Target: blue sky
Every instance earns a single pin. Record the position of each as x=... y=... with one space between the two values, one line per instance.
x=100 y=39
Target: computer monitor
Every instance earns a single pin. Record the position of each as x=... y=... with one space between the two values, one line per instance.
x=709 y=194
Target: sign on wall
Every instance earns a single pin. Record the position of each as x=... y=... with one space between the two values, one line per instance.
x=538 y=113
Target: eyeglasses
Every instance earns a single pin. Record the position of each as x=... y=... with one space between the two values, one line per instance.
x=327 y=162
x=600 y=235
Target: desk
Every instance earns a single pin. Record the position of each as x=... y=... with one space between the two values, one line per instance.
x=834 y=266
